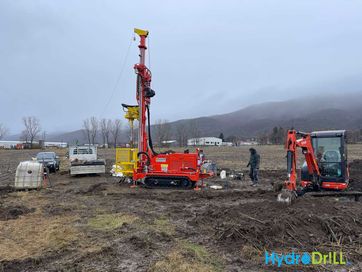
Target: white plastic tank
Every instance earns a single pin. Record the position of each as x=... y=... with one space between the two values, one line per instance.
x=223 y=174
x=29 y=175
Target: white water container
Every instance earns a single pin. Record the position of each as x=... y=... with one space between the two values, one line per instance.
x=223 y=174
x=29 y=175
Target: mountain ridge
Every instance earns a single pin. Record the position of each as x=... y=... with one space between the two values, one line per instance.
x=311 y=113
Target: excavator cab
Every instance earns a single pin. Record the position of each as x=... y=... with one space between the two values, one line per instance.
x=331 y=154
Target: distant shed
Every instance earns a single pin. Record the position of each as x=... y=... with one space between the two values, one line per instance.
x=205 y=141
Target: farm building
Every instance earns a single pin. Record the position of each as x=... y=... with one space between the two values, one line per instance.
x=169 y=143
x=10 y=144
x=248 y=143
x=227 y=144
x=22 y=144
x=205 y=141
x=56 y=144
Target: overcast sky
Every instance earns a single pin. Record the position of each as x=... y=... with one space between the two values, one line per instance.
x=60 y=60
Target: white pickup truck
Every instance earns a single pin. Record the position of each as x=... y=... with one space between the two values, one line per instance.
x=83 y=160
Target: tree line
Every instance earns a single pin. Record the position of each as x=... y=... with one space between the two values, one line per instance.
x=30 y=132
x=162 y=131
x=108 y=129
x=3 y=131
x=278 y=135
x=181 y=132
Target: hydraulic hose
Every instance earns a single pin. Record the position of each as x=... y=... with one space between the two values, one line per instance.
x=146 y=154
x=149 y=131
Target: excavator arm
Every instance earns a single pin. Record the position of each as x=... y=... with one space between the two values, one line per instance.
x=292 y=144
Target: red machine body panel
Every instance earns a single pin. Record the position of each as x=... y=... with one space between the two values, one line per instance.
x=172 y=164
x=340 y=186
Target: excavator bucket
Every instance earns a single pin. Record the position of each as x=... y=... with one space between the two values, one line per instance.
x=287 y=197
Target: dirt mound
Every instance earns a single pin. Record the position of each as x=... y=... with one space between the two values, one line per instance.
x=5 y=190
x=308 y=224
x=355 y=185
x=13 y=212
x=53 y=209
x=95 y=188
x=355 y=170
x=275 y=175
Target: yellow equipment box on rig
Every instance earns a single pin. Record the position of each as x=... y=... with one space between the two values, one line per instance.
x=126 y=158
x=126 y=161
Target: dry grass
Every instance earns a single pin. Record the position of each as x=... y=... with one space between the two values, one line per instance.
x=108 y=222
x=251 y=253
x=187 y=257
x=163 y=225
x=29 y=199
x=32 y=235
x=272 y=156
x=237 y=157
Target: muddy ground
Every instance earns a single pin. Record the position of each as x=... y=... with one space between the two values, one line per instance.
x=93 y=223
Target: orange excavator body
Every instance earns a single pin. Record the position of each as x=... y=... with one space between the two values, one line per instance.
x=325 y=163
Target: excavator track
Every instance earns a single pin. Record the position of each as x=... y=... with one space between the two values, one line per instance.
x=356 y=195
x=168 y=182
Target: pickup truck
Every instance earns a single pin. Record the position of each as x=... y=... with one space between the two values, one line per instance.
x=84 y=160
x=50 y=160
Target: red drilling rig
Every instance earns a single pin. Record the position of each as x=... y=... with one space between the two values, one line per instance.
x=167 y=169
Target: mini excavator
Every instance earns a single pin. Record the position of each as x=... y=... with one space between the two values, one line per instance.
x=154 y=169
x=325 y=167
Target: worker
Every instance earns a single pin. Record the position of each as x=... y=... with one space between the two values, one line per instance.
x=201 y=157
x=254 y=163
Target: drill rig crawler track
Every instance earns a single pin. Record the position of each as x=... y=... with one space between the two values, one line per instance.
x=168 y=182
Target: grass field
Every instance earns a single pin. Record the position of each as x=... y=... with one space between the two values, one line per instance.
x=93 y=223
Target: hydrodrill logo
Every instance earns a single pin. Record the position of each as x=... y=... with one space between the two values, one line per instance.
x=305 y=258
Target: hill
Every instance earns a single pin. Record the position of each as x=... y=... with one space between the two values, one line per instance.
x=313 y=113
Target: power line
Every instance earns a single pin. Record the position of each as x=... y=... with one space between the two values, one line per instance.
x=149 y=54
x=119 y=77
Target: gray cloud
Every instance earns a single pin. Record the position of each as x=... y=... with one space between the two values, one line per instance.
x=59 y=60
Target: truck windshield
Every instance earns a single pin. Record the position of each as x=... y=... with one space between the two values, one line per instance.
x=82 y=151
x=328 y=152
x=44 y=156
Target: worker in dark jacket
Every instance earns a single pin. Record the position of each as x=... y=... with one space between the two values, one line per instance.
x=254 y=163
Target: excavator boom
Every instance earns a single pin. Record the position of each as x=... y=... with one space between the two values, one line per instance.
x=292 y=144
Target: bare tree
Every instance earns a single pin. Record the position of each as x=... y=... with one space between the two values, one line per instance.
x=3 y=131
x=24 y=136
x=162 y=130
x=32 y=129
x=194 y=131
x=106 y=126
x=87 y=130
x=181 y=134
x=90 y=129
x=116 y=127
x=94 y=128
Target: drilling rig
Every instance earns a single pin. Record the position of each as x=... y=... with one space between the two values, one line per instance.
x=169 y=169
